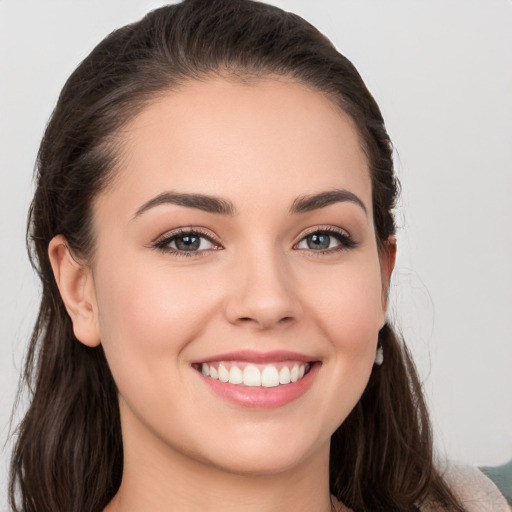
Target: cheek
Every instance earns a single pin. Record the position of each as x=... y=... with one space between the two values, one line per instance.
x=347 y=302
x=347 y=307
x=151 y=316
x=342 y=309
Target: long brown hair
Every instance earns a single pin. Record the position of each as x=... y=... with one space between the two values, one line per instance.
x=69 y=456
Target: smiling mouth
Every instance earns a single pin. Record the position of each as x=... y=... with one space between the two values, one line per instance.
x=255 y=375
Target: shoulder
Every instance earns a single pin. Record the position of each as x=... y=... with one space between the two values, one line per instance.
x=475 y=491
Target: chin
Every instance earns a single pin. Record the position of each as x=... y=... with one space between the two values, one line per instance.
x=266 y=454
x=260 y=464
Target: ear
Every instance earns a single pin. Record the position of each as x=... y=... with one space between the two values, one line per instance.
x=387 y=264
x=76 y=287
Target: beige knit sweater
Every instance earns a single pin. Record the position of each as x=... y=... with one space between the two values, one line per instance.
x=476 y=492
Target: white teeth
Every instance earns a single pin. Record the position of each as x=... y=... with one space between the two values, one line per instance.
x=235 y=375
x=269 y=377
x=223 y=373
x=284 y=375
x=252 y=376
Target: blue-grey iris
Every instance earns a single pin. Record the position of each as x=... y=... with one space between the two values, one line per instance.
x=188 y=242
x=318 y=241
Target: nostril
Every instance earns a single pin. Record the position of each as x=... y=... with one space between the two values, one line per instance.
x=282 y=321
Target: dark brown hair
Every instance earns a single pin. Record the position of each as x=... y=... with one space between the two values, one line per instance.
x=69 y=456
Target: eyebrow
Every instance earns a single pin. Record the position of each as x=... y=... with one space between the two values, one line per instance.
x=220 y=206
x=313 y=202
x=208 y=204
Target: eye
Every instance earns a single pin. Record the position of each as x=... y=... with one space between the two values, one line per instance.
x=326 y=240
x=186 y=242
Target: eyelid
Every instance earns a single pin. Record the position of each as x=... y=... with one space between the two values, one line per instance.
x=327 y=228
x=160 y=241
x=344 y=237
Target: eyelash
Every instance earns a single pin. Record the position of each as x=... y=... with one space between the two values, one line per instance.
x=162 y=244
x=346 y=242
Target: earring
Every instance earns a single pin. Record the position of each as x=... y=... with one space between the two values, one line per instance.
x=379 y=356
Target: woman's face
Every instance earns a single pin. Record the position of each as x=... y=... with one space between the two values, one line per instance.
x=237 y=240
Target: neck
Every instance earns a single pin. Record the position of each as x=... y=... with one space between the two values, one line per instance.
x=157 y=478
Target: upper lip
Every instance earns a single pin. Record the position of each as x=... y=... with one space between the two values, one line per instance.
x=253 y=356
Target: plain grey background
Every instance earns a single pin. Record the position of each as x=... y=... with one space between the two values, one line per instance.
x=441 y=71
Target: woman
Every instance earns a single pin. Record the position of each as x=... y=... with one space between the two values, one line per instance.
x=213 y=229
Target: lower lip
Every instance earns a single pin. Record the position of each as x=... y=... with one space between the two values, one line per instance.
x=261 y=397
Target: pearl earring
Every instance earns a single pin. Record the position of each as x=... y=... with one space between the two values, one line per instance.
x=379 y=356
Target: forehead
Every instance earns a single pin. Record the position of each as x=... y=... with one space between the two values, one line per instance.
x=263 y=137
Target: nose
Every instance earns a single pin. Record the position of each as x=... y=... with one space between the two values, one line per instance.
x=263 y=293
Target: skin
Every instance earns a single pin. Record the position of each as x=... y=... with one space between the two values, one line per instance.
x=256 y=285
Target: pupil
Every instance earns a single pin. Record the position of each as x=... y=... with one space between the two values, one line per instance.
x=318 y=241
x=188 y=243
